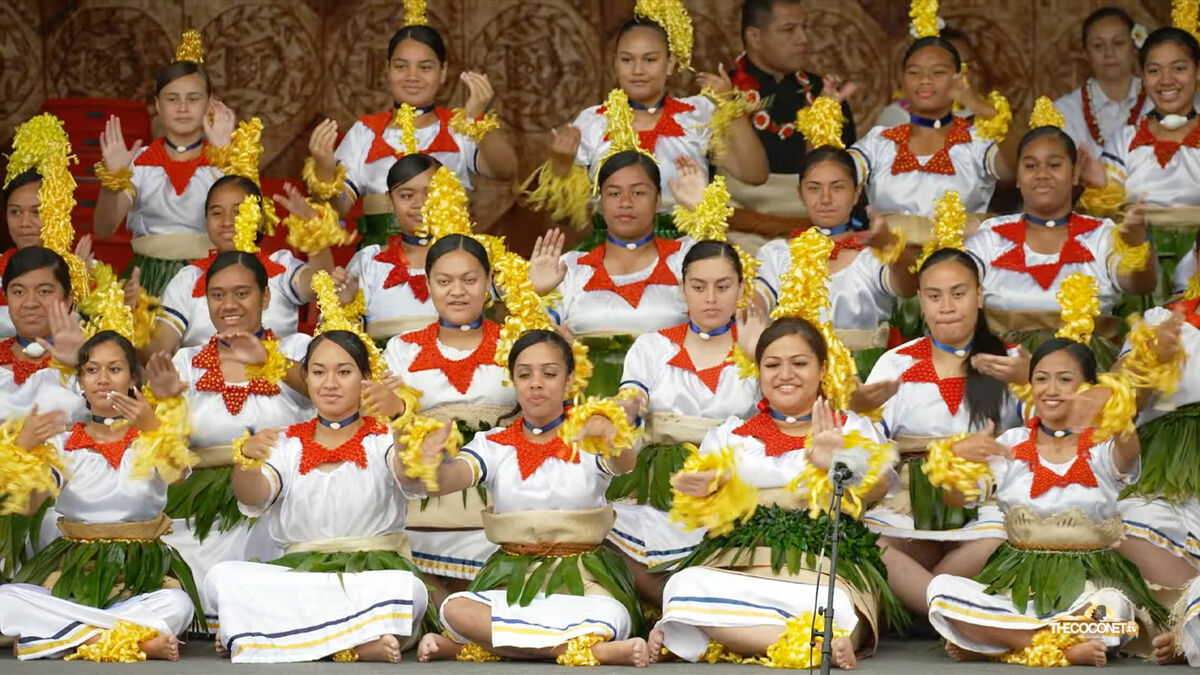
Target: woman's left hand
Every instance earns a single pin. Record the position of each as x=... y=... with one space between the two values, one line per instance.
x=826 y=434
x=245 y=348
x=718 y=81
x=751 y=322
x=162 y=376
x=597 y=426
x=295 y=202
x=135 y=409
x=66 y=335
x=1086 y=407
x=879 y=236
x=688 y=185
x=835 y=88
x=380 y=399
x=1007 y=369
x=479 y=93
x=1133 y=229
x=133 y=288
x=83 y=250
x=219 y=124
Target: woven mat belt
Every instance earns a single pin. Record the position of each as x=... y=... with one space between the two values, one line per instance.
x=915 y=446
x=174 y=246
x=670 y=428
x=1173 y=217
x=536 y=528
x=141 y=530
x=919 y=229
x=781 y=497
x=552 y=549
x=214 y=456
x=382 y=329
x=471 y=414
x=1003 y=321
x=858 y=339
x=374 y=204
x=396 y=541
x=779 y=197
x=1071 y=530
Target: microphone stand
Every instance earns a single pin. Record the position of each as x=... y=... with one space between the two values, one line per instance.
x=839 y=476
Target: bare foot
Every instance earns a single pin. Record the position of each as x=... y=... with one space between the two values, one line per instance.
x=161 y=647
x=631 y=652
x=1090 y=653
x=436 y=647
x=1164 y=650
x=655 y=646
x=959 y=654
x=219 y=648
x=843 y=653
x=385 y=649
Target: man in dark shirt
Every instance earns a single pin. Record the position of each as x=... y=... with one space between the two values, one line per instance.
x=772 y=74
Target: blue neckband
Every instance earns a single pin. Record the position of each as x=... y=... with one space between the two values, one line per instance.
x=787 y=418
x=957 y=351
x=183 y=148
x=648 y=108
x=706 y=334
x=931 y=123
x=630 y=245
x=1055 y=222
x=1056 y=433
x=538 y=431
x=340 y=423
x=477 y=323
x=414 y=240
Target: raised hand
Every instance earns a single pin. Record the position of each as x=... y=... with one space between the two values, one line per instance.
x=294 y=201
x=868 y=397
x=133 y=288
x=1086 y=407
x=826 y=433
x=66 y=335
x=1133 y=229
x=547 y=269
x=1091 y=169
x=219 y=124
x=1007 y=369
x=162 y=378
x=83 y=250
x=689 y=182
x=135 y=409
x=718 y=81
x=435 y=443
x=879 y=236
x=113 y=151
x=695 y=483
x=981 y=445
x=321 y=144
x=837 y=89
x=40 y=427
x=380 y=399
x=245 y=348
x=345 y=284
x=479 y=93
x=751 y=322
x=259 y=445
x=1167 y=337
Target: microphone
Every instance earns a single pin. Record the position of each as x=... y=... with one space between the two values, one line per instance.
x=849 y=467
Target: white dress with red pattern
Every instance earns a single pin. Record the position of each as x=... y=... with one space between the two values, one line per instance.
x=682 y=131
x=372 y=146
x=397 y=294
x=24 y=384
x=925 y=408
x=185 y=306
x=167 y=195
x=898 y=181
x=7 y=329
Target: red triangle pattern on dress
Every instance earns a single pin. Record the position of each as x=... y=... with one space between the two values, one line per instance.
x=1080 y=472
x=180 y=173
x=531 y=456
x=940 y=163
x=417 y=283
x=1188 y=307
x=378 y=123
x=313 y=454
x=112 y=451
x=952 y=389
x=632 y=293
x=1164 y=151
x=1072 y=252
x=21 y=369
x=233 y=395
x=775 y=442
x=665 y=126
x=711 y=377
x=273 y=269
x=460 y=373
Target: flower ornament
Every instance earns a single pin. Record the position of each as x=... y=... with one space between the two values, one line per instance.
x=1138 y=34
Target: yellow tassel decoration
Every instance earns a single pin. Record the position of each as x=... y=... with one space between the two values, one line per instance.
x=1103 y=202
x=1046 y=115
x=240 y=460
x=22 y=473
x=626 y=433
x=413 y=437
x=274 y=369
x=122 y=644
x=244 y=150
x=579 y=651
x=565 y=197
x=949 y=223
x=891 y=255
x=105 y=305
x=1119 y=412
x=405 y=118
x=346 y=656
x=145 y=317
x=674 y=19
x=924 y=15
x=1022 y=392
x=996 y=128
x=622 y=137
x=321 y=189
x=1130 y=259
x=747 y=368
x=415 y=13
x=167 y=448
x=191 y=47
x=729 y=504
x=1077 y=295
x=794 y=649
x=316 y=234
x=1141 y=367
x=817 y=489
x=709 y=218
x=1047 y=650
x=717 y=653
x=475 y=654
x=821 y=122
x=946 y=469
x=412 y=404
x=335 y=317
x=477 y=129
x=445 y=209
x=1193 y=288
x=117 y=182
x=730 y=106
x=1185 y=15
x=245 y=225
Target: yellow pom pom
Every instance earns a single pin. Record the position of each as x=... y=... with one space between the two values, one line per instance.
x=794 y=648
x=1193 y=288
x=1077 y=295
x=413 y=438
x=626 y=433
x=335 y=317
x=1105 y=201
x=717 y=653
x=1046 y=115
x=477 y=129
x=995 y=128
x=1185 y=14
x=274 y=369
x=319 y=188
x=240 y=460
x=445 y=209
x=244 y=151
x=120 y=181
x=346 y=656
x=1130 y=259
x=674 y=19
x=730 y=106
x=1117 y=416
x=821 y=122
x=22 y=473
x=121 y=644
x=167 y=448
x=579 y=651
x=947 y=470
x=245 y=225
x=105 y=305
x=191 y=47
x=815 y=486
x=415 y=13
x=619 y=131
x=729 y=504
x=405 y=118
x=924 y=15
x=476 y=654
x=949 y=223
x=565 y=197
x=709 y=218
x=316 y=234
x=1141 y=366
x=747 y=368
x=1047 y=649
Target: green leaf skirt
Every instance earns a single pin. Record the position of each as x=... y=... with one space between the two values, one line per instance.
x=1170 y=457
x=205 y=499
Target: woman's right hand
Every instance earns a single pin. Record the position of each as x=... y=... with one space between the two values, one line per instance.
x=695 y=483
x=1091 y=169
x=162 y=378
x=115 y=153
x=66 y=334
x=321 y=145
x=981 y=446
x=259 y=445
x=345 y=284
x=688 y=185
x=39 y=428
x=547 y=269
x=564 y=143
x=1168 y=336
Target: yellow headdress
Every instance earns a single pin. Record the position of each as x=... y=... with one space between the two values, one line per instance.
x=1078 y=296
x=42 y=144
x=241 y=159
x=415 y=13
x=674 y=19
x=949 y=222
x=105 y=306
x=335 y=316
x=1185 y=15
x=710 y=220
x=925 y=21
x=191 y=47
x=821 y=122
x=804 y=293
x=405 y=118
x=622 y=137
x=1045 y=114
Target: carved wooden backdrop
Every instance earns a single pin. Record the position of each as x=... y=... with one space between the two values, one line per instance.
x=295 y=62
